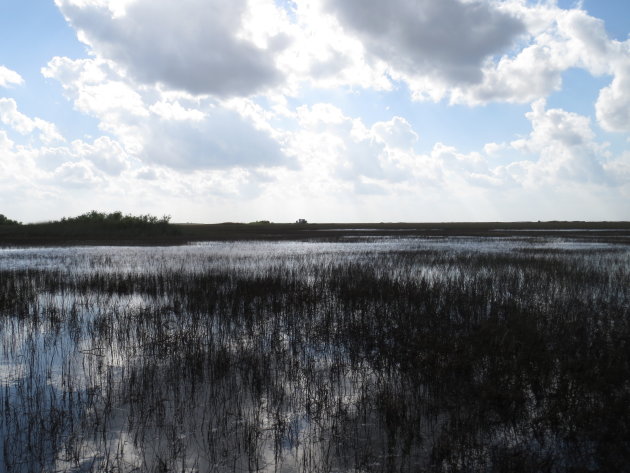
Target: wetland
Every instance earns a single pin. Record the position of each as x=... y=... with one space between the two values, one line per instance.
x=359 y=353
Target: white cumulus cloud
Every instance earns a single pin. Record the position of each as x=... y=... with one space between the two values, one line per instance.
x=11 y=116
x=565 y=148
x=191 y=45
x=613 y=103
x=9 y=77
x=165 y=128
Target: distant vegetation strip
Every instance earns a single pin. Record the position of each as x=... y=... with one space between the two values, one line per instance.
x=90 y=228
x=115 y=218
x=116 y=228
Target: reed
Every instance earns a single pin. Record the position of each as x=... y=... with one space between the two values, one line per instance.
x=404 y=355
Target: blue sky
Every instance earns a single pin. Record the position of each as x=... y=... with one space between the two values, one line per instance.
x=358 y=110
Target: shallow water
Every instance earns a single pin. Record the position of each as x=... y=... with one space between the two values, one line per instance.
x=206 y=255
x=366 y=355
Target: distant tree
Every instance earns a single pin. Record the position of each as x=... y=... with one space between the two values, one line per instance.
x=116 y=218
x=7 y=221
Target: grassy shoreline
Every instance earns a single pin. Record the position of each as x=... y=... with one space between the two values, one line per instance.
x=46 y=234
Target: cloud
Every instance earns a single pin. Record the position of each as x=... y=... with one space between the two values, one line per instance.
x=5 y=142
x=335 y=150
x=175 y=111
x=222 y=139
x=40 y=182
x=613 y=104
x=449 y=39
x=11 y=116
x=105 y=154
x=561 y=152
x=465 y=51
x=322 y=55
x=558 y=41
x=104 y=158
x=455 y=163
x=9 y=77
x=348 y=170
x=619 y=171
x=565 y=147
x=191 y=45
x=470 y=52
x=396 y=133
x=96 y=87
x=198 y=105
x=76 y=175
x=147 y=174
x=162 y=127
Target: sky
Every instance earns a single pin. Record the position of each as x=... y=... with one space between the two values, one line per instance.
x=329 y=110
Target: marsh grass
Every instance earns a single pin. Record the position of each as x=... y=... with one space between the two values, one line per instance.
x=328 y=358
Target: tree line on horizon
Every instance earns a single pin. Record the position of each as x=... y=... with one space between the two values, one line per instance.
x=116 y=217
x=96 y=217
x=4 y=220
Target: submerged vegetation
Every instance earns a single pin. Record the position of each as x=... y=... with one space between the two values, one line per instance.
x=404 y=355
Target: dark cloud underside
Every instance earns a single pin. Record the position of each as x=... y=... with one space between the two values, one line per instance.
x=448 y=38
x=188 y=45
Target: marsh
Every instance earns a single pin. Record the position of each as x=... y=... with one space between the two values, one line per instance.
x=364 y=354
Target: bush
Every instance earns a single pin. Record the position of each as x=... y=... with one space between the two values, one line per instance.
x=117 y=218
x=7 y=221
